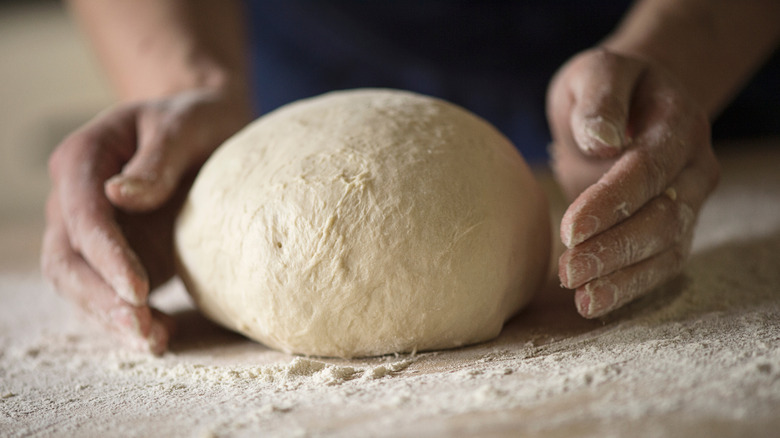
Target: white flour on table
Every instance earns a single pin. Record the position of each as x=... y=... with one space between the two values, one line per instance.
x=701 y=357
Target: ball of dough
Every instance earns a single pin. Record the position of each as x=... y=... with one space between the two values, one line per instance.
x=362 y=223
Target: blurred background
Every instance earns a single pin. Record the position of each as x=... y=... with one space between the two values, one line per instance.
x=50 y=84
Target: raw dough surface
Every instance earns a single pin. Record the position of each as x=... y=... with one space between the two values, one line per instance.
x=364 y=222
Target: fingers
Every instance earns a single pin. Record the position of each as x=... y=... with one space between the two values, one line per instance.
x=76 y=280
x=152 y=175
x=630 y=259
x=174 y=136
x=662 y=223
x=588 y=106
x=602 y=93
x=631 y=230
x=79 y=169
x=608 y=293
x=132 y=158
x=671 y=136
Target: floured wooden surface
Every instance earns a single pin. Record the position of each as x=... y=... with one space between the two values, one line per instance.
x=701 y=357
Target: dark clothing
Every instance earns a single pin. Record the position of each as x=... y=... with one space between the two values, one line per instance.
x=494 y=58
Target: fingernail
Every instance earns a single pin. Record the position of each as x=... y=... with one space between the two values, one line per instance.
x=580 y=230
x=126 y=292
x=601 y=298
x=582 y=268
x=582 y=301
x=598 y=128
x=131 y=187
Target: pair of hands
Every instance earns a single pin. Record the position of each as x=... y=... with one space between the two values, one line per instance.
x=629 y=145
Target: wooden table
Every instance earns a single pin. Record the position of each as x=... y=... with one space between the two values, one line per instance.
x=700 y=357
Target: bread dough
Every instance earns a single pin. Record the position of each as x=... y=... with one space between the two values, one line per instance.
x=362 y=223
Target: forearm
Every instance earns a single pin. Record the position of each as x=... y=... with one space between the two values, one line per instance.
x=154 y=48
x=711 y=46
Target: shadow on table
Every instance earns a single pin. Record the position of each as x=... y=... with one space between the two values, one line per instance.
x=195 y=332
x=730 y=278
x=726 y=279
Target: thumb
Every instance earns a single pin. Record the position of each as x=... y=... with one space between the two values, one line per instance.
x=602 y=100
x=151 y=176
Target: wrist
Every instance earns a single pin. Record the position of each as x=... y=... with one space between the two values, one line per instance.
x=709 y=48
x=682 y=65
x=153 y=49
x=191 y=72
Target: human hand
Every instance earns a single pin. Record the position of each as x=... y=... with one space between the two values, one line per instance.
x=117 y=184
x=633 y=151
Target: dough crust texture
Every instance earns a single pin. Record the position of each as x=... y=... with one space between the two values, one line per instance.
x=361 y=223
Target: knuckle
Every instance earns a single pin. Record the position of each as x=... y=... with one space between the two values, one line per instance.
x=628 y=250
x=700 y=131
x=680 y=104
x=53 y=163
x=71 y=152
x=678 y=258
x=686 y=217
x=679 y=255
x=591 y=59
x=47 y=264
x=54 y=265
x=603 y=55
x=598 y=56
x=61 y=154
x=701 y=125
x=672 y=216
x=77 y=227
x=654 y=168
x=713 y=170
x=678 y=216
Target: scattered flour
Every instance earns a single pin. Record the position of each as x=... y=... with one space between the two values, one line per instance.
x=700 y=357
x=300 y=372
